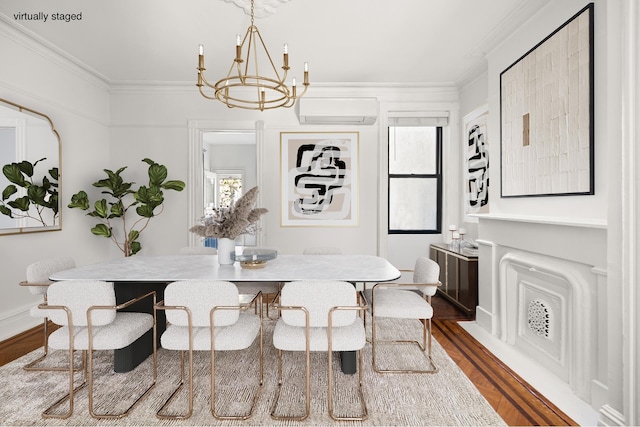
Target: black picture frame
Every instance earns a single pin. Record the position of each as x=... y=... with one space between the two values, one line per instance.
x=547 y=115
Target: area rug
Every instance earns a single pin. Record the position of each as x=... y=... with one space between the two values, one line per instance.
x=446 y=398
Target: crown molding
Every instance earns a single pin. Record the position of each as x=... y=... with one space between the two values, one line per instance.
x=32 y=41
x=144 y=85
x=525 y=12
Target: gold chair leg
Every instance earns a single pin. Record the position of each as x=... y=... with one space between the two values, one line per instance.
x=48 y=413
x=260 y=381
x=161 y=414
x=33 y=365
x=363 y=405
x=424 y=346
x=94 y=414
x=307 y=391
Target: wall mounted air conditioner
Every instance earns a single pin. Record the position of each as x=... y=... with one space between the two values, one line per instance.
x=337 y=111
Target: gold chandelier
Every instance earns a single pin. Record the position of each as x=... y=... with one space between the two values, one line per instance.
x=244 y=87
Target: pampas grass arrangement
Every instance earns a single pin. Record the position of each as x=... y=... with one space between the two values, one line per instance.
x=239 y=218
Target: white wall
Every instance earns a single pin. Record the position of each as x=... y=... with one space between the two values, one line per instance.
x=473 y=95
x=153 y=122
x=613 y=207
x=77 y=103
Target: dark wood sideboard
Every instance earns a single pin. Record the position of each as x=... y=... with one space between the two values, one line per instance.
x=459 y=277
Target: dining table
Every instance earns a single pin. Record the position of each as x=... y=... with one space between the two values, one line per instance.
x=135 y=275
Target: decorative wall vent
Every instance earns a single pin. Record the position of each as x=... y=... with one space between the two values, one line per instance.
x=539 y=318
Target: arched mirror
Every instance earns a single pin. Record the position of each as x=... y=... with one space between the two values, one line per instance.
x=30 y=154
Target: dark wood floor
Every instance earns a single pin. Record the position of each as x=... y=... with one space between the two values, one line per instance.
x=517 y=402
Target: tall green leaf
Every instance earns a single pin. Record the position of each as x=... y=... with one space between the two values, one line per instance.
x=9 y=191
x=14 y=174
x=101 y=230
x=79 y=200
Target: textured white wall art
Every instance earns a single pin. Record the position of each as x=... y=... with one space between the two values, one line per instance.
x=547 y=115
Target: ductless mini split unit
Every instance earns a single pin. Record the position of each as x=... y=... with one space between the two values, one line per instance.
x=337 y=111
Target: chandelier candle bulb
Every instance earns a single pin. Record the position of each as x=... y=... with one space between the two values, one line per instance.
x=200 y=64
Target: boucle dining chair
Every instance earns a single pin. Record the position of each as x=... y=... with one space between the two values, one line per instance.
x=89 y=320
x=38 y=282
x=406 y=301
x=319 y=316
x=209 y=316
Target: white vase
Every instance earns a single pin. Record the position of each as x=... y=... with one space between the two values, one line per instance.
x=226 y=251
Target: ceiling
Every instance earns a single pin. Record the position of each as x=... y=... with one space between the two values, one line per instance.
x=433 y=42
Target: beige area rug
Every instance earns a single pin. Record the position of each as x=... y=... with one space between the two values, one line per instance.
x=446 y=398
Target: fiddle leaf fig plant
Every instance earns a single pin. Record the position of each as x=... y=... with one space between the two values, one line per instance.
x=41 y=194
x=148 y=201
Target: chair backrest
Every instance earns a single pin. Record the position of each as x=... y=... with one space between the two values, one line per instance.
x=39 y=271
x=322 y=250
x=318 y=296
x=197 y=250
x=426 y=271
x=201 y=296
x=78 y=296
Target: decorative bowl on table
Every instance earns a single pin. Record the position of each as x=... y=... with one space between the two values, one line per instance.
x=253 y=258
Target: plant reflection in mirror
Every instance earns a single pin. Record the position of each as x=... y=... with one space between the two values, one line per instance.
x=41 y=195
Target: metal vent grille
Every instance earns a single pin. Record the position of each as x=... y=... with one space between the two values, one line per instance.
x=539 y=318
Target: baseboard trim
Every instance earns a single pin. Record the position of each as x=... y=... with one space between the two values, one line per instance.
x=12 y=341
x=22 y=343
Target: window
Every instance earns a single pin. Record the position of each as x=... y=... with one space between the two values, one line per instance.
x=229 y=189
x=221 y=188
x=415 y=179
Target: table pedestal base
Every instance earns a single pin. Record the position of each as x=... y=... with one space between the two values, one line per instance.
x=348 y=362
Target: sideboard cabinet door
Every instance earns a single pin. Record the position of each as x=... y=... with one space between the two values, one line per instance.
x=459 y=277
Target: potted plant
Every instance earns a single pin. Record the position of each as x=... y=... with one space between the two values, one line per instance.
x=148 y=201
x=226 y=224
x=40 y=194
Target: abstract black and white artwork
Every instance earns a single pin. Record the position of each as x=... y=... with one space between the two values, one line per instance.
x=476 y=146
x=319 y=178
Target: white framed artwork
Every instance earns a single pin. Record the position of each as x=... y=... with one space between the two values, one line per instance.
x=319 y=178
